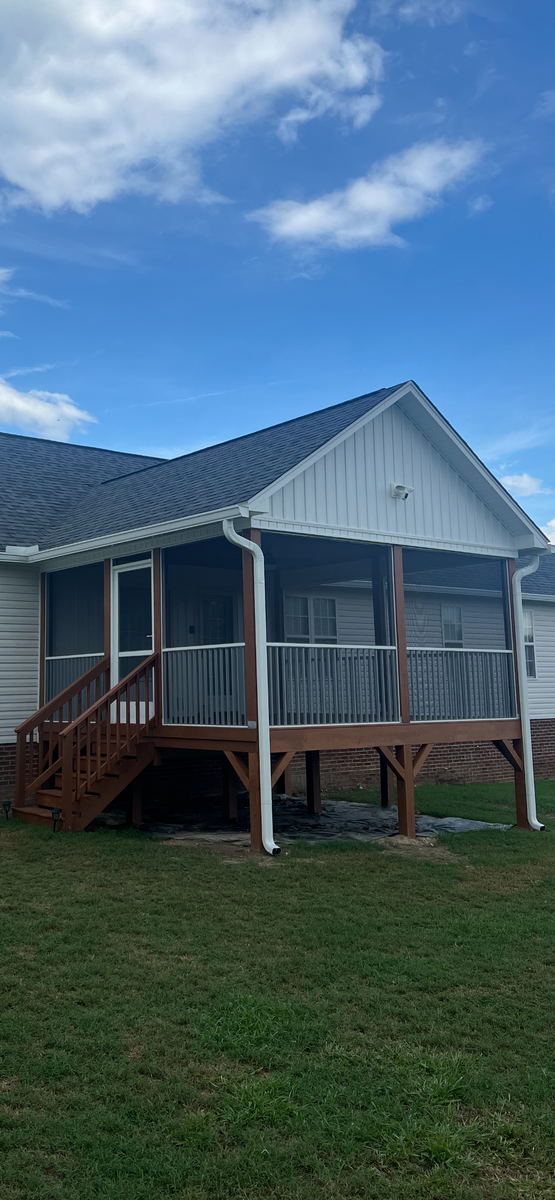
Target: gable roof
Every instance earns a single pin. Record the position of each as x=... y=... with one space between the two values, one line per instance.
x=214 y=478
x=41 y=481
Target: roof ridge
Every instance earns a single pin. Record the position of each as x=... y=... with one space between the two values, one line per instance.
x=242 y=437
x=27 y=437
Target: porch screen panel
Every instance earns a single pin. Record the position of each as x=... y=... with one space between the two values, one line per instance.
x=75 y=611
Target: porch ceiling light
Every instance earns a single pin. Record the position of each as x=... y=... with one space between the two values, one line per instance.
x=400 y=491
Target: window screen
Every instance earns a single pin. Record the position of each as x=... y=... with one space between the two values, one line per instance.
x=296 y=619
x=324 y=619
x=529 y=647
x=451 y=615
x=75 y=611
x=217 y=619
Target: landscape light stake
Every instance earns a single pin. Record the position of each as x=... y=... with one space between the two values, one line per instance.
x=6 y=805
x=56 y=814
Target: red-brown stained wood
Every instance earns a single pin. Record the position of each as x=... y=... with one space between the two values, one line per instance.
x=229 y=790
x=313 y=788
x=356 y=737
x=157 y=630
x=400 y=627
x=420 y=757
x=280 y=769
x=405 y=793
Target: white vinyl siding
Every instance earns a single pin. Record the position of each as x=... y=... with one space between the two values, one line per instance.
x=353 y=614
x=541 y=690
x=19 y=646
x=348 y=488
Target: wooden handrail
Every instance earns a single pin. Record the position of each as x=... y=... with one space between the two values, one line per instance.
x=38 y=736
x=94 y=743
x=65 y=697
x=109 y=697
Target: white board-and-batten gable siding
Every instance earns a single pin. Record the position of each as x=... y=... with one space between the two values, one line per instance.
x=19 y=646
x=348 y=488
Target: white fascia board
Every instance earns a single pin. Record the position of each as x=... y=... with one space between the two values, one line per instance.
x=378 y=537
x=534 y=539
x=109 y=542
x=260 y=502
x=533 y=597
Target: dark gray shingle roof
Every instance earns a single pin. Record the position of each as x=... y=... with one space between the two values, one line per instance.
x=41 y=482
x=542 y=582
x=217 y=477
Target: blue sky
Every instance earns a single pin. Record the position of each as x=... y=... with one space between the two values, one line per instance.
x=216 y=216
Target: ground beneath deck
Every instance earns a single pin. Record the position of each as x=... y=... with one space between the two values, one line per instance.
x=343 y=820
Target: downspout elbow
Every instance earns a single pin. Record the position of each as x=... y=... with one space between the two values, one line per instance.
x=263 y=710
x=519 y=574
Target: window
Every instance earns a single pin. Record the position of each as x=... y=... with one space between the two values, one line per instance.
x=310 y=619
x=324 y=620
x=529 y=648
x=451 y=617
x=296 y=619
x=217 y=620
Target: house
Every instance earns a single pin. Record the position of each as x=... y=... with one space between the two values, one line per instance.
x=346 y=581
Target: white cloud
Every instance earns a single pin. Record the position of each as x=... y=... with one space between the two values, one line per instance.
x=518 y=439
x=5 y=333
x=549 y=530
x=49 y=414
x=433 y=12
x=101 y=98
x=401 y=188
x=479 y=205
x=525 y=485
x=546 y=105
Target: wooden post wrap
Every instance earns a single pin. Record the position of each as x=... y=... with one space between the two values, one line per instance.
x=251 y=692
x=405 y=785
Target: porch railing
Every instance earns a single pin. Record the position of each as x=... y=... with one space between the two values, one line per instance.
x=60 y=671
x=205 y=685
x=459 y=685
x=332 y=685
x=37 y=751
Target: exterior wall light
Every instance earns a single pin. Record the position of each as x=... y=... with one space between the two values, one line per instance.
x=6 y=805
x=56 y=814
x=400 y=491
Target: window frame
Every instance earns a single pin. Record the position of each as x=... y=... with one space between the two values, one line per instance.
x=452 y=644
x=311 y=639
x=529 y=644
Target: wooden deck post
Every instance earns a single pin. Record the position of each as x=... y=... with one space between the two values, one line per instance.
x=387 y=782
x=284 y=784
x=107 y=607
x=313 y=790
x=251 y=691
x=405 y=786
x=520 y=775
x=229 y=790
x=137 y=802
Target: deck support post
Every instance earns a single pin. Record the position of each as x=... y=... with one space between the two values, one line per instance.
x=257 y=847
x=137 y=803
x=229 y=790
x=405 y=793
x=313 y=789
x=387 y=782
x=284 y=785
x=405 y=785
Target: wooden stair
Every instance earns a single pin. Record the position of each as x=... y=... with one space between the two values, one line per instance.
x=79 y=766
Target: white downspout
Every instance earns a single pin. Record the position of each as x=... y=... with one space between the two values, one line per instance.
x=265 y=757
x=523 y=691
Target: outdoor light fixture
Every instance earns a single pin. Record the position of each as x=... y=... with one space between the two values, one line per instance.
x=6 y=805
x=400 y=491
x=56 y=814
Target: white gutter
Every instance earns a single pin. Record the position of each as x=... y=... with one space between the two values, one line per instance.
x=523 y=692
x=263 y=710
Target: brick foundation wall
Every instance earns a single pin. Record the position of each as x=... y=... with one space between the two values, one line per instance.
x=468 y=762
x=7 y=764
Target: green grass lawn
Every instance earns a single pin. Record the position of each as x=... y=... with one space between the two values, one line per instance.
x=480 y=802
x=336 y=1023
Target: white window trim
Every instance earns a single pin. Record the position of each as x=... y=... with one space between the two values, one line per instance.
x=444 y=607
